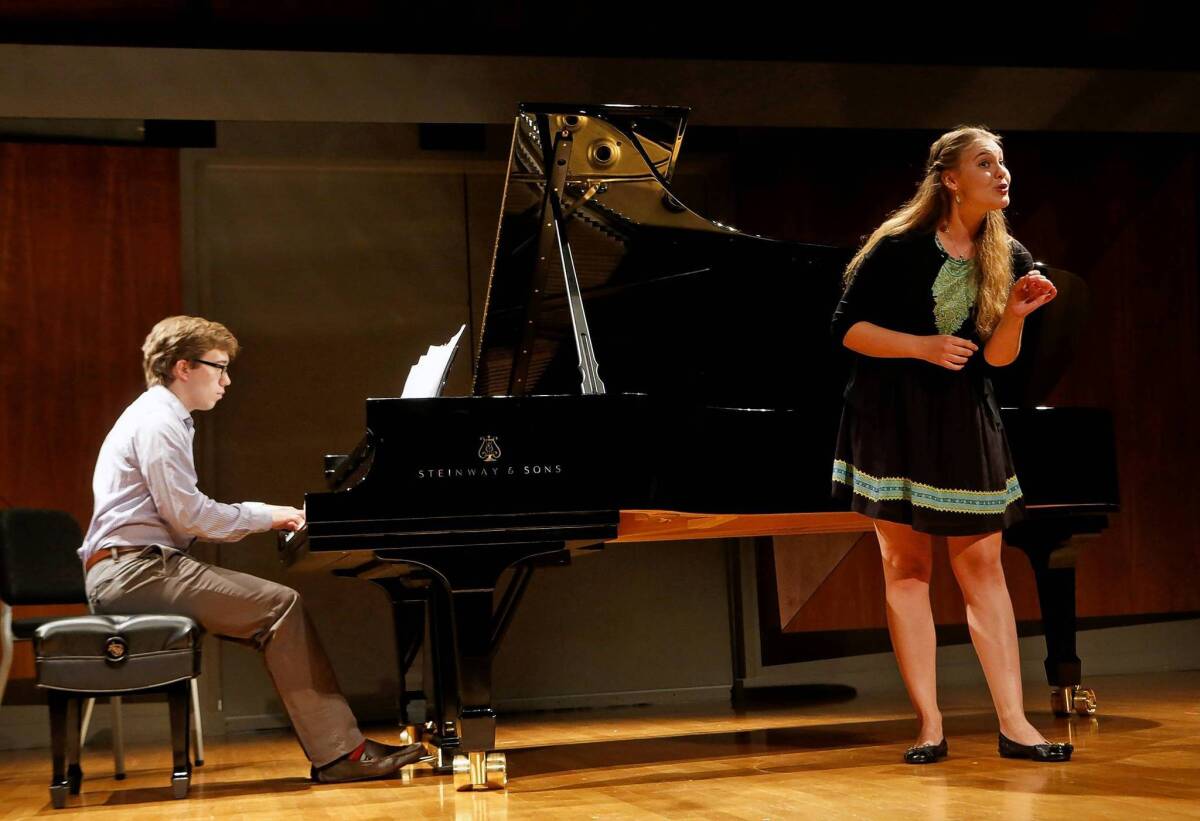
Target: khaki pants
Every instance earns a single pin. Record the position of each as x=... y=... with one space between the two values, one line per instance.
x=244 y=608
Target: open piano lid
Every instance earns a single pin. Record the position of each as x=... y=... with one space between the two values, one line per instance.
x=656 y=276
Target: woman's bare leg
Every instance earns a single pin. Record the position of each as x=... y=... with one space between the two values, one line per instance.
x=907 y=565
x=976 y=564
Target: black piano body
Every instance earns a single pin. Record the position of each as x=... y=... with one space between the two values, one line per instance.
x=643 y=374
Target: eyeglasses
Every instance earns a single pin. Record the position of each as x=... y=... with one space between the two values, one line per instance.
x=223 y=368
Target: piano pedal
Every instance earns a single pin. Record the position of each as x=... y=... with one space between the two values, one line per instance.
x=480 y=771
x=1065 y=701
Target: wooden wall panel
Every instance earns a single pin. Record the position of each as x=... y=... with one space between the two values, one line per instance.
x=89 y=261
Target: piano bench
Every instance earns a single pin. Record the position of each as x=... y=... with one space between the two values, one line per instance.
x=98 y=656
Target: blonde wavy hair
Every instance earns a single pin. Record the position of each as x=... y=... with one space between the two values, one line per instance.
x=931 y=207
x=182 y=337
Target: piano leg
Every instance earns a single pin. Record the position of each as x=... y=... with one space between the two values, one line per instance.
x=1053 y=561
x=409 y=602
x=473 y=629
x=438 y=677
x=465 y=629
x=463 y=635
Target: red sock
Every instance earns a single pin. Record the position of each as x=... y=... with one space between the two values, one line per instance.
x=357 y=752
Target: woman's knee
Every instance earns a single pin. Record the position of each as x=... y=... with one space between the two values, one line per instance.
x=977 y=562
x=905 y=555
x=899 y=567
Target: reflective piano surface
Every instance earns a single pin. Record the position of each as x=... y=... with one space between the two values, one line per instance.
x=643 y=373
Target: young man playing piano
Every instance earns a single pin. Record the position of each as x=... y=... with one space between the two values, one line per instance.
x=148 y=512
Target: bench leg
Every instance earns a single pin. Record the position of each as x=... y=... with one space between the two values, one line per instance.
x=118 y=737
x=74 y=773
x=58 y=747
x=118 y=732
x=6 y=645
x=88 y=706
x=180 y=697
x=199 y=727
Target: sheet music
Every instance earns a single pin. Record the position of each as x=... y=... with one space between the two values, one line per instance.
x=428 y=377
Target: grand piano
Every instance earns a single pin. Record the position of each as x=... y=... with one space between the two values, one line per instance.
x=644 y=374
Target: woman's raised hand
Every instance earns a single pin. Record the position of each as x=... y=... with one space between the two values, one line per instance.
x=1029 y=293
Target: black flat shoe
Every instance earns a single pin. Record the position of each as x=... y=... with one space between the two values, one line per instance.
x=1035 y=752
x=926 y=753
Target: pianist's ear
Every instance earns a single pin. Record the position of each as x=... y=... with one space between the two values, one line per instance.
x=181 y=370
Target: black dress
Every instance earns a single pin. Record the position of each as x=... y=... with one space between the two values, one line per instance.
x=918 y=443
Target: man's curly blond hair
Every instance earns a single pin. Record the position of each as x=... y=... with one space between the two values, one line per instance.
x=182 y=337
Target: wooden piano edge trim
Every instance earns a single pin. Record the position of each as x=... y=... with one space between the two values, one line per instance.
x=665 y=525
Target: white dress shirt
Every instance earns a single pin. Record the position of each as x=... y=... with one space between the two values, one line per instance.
x=145 y=484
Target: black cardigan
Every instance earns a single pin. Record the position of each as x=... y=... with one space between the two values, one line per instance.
x=893 y=288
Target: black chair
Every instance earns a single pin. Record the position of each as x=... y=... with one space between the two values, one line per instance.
x=39 y=565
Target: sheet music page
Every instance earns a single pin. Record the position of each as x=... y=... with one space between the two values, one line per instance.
x=426 y=378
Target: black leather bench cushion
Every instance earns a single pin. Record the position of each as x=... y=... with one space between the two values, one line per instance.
x=107 y=654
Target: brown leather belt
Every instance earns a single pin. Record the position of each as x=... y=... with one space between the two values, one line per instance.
x=109 y=553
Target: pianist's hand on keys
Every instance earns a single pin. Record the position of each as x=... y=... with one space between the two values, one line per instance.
x=286 y=518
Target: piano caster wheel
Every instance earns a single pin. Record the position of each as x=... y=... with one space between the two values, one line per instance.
x=411 y=734
x=497 y=771
x=1074 y=699
x=480 y=771
x=462 y=773
x=1084 y=701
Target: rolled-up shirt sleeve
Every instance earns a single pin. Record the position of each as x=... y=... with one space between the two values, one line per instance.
x=869 y=295
x=164 y=455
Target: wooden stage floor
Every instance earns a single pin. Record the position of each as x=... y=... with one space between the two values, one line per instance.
x=1139 y=758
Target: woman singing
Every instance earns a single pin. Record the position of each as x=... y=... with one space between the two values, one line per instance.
x=930 y=305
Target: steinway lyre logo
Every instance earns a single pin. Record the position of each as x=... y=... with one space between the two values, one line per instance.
x=489 y=449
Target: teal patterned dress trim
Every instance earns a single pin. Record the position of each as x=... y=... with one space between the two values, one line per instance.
x=878 y=488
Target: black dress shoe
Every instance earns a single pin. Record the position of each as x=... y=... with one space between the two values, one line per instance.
x=926 y=753
x=377 y=761
x=1035 y=752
